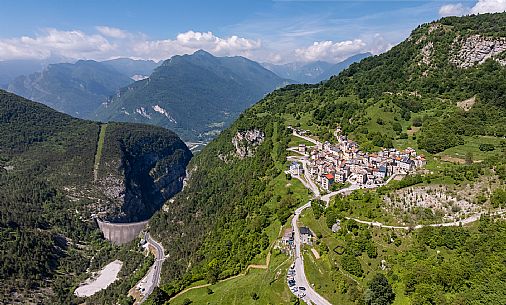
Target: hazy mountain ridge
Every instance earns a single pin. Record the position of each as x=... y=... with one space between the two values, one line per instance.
x=11 y=69
x=131 y=67
x=80 y=87
x=76 y=89
x=313 y=72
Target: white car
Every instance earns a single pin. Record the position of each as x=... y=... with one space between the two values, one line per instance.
x=301 y=295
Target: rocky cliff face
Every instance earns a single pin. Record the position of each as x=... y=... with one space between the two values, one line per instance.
x=245 y=142
x=477 y=49
x=139 y=172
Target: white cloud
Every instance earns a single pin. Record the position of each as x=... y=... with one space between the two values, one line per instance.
x=330 y=51
x=108 y=42
x=377 y=44
x=73 y=44
x=111 y=32
x=111 y=42
x=337 y=51
x=453 y=10
x=191 y=41
x=481 y=7
x=489 y=6
x=219 y=45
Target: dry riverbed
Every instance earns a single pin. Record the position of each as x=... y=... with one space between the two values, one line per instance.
x=99 y=280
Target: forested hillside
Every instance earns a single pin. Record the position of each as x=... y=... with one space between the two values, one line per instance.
x=409 y=96
x=48 y=192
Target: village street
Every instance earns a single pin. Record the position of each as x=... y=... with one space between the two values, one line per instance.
x=308 y=183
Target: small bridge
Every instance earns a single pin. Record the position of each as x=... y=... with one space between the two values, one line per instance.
x=121 y=233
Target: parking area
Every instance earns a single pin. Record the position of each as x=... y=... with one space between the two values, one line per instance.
x=299 y=291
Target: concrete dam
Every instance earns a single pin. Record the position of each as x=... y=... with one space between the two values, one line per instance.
x=121 y=233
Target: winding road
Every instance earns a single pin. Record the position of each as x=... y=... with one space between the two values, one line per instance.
x=468 y=220
x=311 y=296
x=152 y=277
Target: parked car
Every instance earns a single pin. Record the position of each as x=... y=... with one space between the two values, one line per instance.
x=302 y=288
x=301 y=295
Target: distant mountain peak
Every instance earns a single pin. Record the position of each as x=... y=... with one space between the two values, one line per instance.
x=201 y=52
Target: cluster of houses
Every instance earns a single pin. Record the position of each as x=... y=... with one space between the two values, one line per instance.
x=344 y=162
x=306 y=236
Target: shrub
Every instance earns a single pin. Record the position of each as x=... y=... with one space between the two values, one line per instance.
x=486 y=147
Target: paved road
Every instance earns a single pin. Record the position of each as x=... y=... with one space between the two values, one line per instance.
x=315 y=142
x=468 y=220
x=311 y=297
x=313 y=186
x=152 y=278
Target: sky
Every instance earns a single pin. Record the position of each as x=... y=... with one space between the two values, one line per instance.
x=274 y=31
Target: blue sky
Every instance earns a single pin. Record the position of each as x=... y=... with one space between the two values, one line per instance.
x=264 y=30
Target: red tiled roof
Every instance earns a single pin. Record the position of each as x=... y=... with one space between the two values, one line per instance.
x=329 y=176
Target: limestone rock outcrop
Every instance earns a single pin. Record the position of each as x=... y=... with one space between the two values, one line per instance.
x=477 y=49
x=245 y=142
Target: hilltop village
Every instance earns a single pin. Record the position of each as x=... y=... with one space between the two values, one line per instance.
x=331 y=165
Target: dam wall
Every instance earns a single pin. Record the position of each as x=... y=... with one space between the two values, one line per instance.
x=121 y=233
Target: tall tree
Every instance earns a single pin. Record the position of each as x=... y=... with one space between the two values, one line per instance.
x=379 y=291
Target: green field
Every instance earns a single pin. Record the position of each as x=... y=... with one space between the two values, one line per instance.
x=376 y=112
x=269 y=285
x=100 y=147
x=304 y=121
x=295 y=141
x=472 y=146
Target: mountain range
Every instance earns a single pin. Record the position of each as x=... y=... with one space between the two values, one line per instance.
x=313 y=72
x=195 y=95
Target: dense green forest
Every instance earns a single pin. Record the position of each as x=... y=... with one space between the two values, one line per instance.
x=48 y=194
x=220 y=221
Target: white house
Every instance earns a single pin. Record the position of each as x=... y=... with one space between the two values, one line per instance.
x=296 y=169
x=306 y=235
